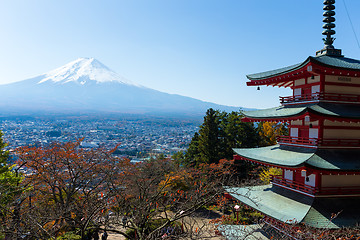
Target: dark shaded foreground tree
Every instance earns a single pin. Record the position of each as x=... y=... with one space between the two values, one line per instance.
x=10 y=189
x=70 y=192
x=218 y=135
x=161 y=199
x=65 y=187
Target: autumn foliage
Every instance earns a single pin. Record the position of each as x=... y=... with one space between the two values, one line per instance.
x=67 y=189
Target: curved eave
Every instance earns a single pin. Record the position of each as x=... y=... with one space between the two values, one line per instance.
x=280 y=77
x=335 y=159
x=275 y=156
x=292 y=208
x=283 y=77
x=277 y=72
x=335 y=112
x=277 y=113
x=296 y=157
x=337 y=62
x=275 y=205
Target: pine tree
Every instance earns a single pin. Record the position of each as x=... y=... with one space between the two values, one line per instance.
x=209 y=137
x=239 y=134
x=218 y=135
x=192 y=155
x=4 y=155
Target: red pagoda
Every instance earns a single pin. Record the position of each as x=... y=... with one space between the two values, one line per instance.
x=320 y=159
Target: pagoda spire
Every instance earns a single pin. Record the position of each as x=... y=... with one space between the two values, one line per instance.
x=328 y=31
x=329 y=23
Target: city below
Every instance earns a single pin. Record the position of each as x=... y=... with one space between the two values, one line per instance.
x=136 y=137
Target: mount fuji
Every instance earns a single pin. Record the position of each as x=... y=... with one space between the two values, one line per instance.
x=88 y=86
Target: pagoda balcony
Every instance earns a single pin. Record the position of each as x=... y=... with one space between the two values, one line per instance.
x=294 y=186
x=312 y=191
x=316 y=142
x=333 y=97
x=301 y=141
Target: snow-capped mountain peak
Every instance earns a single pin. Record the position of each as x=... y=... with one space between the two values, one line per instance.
x=83 y=70
x=86 y=86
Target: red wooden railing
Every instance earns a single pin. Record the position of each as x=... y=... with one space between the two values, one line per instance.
x=313 y=142
x=321 y=96
x=297 y=140
x=343 y=190
x=279 y=180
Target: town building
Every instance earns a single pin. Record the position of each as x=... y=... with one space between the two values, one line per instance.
x=320 y=158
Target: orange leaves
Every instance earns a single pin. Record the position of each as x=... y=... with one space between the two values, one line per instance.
x=49 y=225
x=175 y=181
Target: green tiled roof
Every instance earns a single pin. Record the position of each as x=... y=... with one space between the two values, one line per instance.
x=332 y=110
x=273 y=73
x=265 y=200
x=276 y=112
x=277 y=156
x=291 y=207
x=331 y=61
x=324 y=208
x=327 y=159
x=335 y=159
x=338 y=62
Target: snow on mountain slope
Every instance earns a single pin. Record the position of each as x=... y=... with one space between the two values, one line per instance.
x=82 y=70
x=86 y=85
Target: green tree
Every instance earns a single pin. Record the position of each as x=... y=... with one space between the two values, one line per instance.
x=9 y=190
x=218 y=135
x=4 y=156
x=209 y=144
x=238 y=134
x=192 y=155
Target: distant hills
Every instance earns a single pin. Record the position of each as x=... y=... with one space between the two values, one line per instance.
x=87 y=86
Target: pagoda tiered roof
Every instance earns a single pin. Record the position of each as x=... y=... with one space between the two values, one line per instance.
x=294 y=157
x=289 y=112
x=320 y=182
x=332 y=65
x=291 y=207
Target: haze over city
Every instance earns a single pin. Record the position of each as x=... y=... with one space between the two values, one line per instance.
x=201 y=49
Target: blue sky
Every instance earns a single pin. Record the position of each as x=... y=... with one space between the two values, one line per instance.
x=196 y=48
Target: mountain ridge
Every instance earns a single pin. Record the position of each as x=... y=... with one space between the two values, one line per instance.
x=87 y=85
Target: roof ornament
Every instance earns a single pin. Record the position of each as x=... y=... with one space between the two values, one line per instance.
x=328 y=31
x=329 y=23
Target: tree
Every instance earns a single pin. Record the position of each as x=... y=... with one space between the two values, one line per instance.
x=238 y=134
x=266 y=174
x=67 y=189
x=218 y=135
x=9 y=190
x=75 y=191
x=268 y=132
x=209 y=144
x=159 y=195
x=192 y=155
